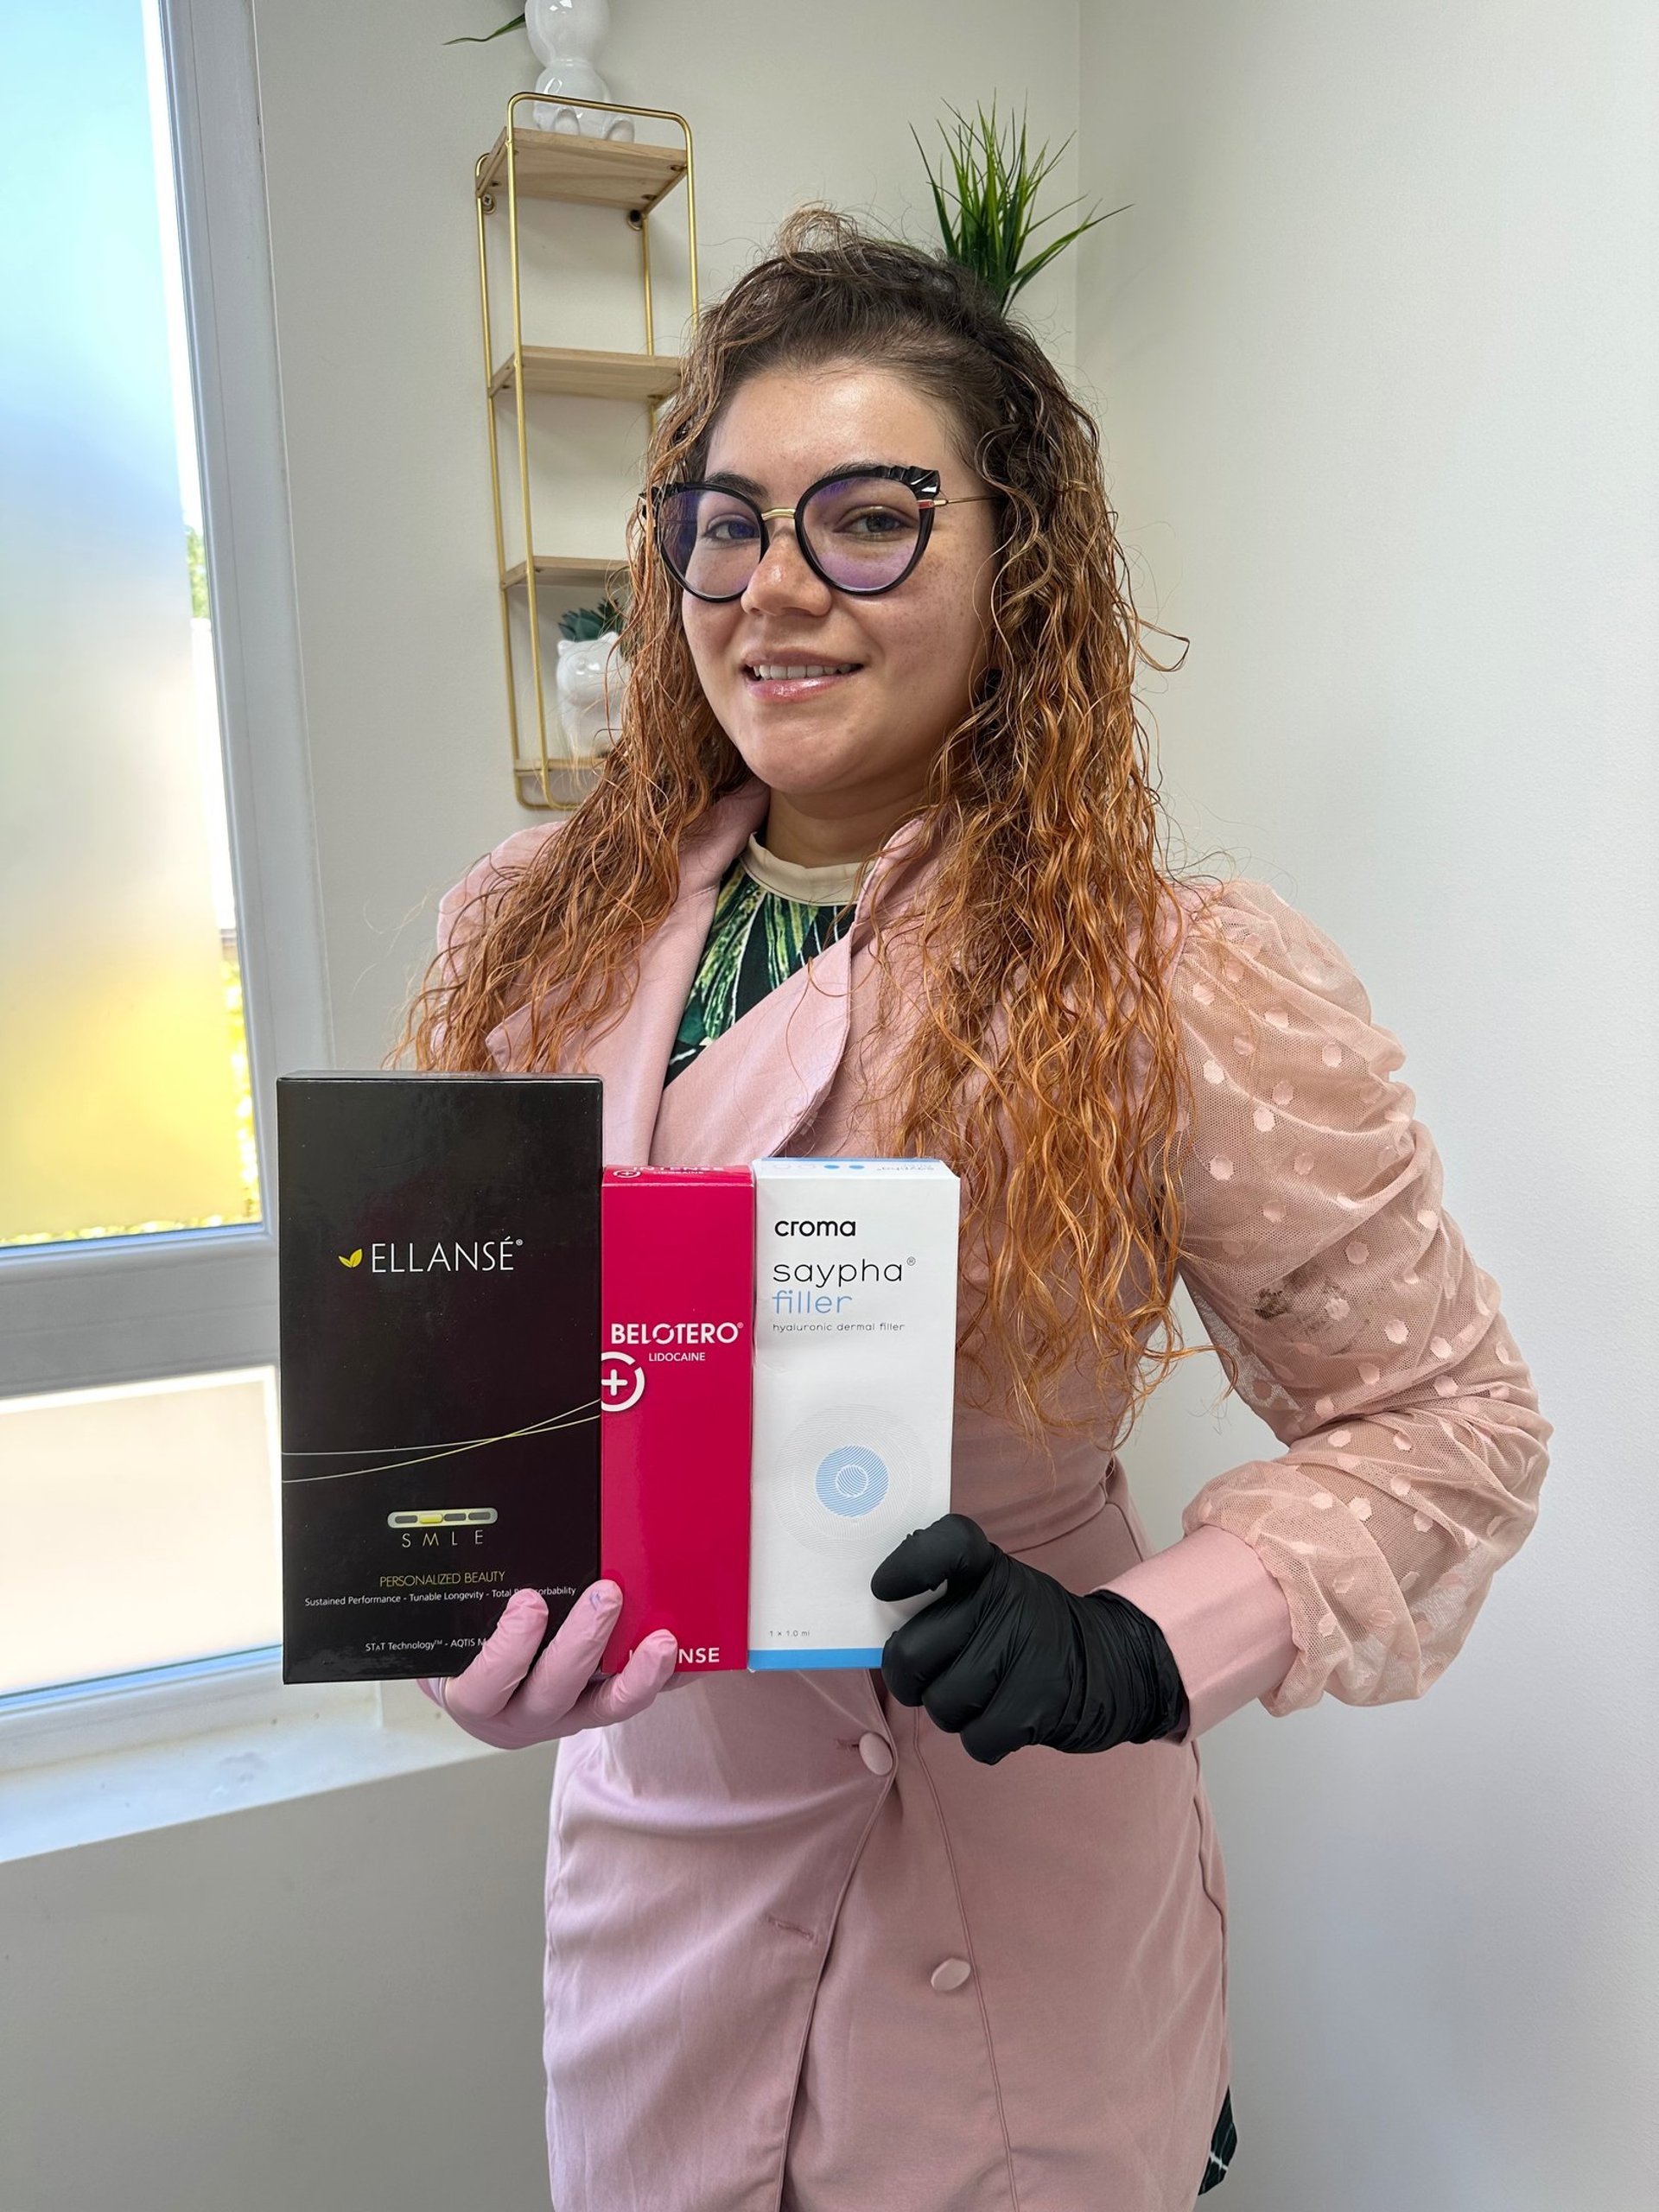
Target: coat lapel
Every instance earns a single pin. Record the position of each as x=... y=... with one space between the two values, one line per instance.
x=748 y=1092
x=751 y=1093
x=632 y=1059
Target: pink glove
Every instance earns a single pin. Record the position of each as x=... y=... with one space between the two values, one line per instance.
x=496 y=1699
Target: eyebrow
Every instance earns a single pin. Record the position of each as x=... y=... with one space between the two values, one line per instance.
x=728 y=480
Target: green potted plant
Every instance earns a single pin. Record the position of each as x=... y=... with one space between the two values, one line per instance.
x=588 y=681
x=985 y=196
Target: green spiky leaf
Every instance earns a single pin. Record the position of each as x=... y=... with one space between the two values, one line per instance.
x=985 y=193
x=517 y=24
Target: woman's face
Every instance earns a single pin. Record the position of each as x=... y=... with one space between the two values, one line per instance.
x=899 y=670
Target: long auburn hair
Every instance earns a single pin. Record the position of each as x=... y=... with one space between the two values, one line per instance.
x=1043 y=1058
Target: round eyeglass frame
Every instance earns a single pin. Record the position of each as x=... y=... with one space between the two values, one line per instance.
x=924 y=482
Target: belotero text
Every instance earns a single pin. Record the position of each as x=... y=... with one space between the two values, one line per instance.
x=674 y=1333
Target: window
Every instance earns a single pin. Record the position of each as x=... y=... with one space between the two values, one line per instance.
x=125 y=1107
x=160 y=950
x=156 y=1502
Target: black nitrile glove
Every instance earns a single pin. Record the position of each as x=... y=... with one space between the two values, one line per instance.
x=1008 y=1656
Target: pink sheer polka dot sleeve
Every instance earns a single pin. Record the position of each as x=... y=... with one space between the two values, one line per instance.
x=1318 y=1250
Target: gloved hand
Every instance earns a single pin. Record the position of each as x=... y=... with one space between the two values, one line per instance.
x=504 y=1698
x=1008 y=1656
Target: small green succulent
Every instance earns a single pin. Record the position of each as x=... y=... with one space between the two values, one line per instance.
x=581 y=623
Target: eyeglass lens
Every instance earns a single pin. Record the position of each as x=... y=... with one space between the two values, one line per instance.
x=862 y=531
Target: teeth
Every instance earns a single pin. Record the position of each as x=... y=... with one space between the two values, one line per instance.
x=772 y=671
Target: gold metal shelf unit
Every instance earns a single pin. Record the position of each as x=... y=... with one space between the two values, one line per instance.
x=525 y=163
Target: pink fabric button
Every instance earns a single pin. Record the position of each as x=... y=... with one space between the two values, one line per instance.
x=876 y=1753
x=949 y=1975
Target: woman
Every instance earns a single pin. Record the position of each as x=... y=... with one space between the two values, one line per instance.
x=875 y=869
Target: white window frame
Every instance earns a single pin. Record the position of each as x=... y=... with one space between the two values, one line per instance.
x=108 y=1311
x=142 y=1308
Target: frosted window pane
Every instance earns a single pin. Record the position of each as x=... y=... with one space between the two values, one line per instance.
x=140 y=1527
x=124 y=1101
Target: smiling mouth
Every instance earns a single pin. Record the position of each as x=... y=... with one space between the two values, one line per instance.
x=796 y=671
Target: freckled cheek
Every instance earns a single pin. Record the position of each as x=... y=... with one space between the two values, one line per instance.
x=899 y=656
x=709 y=633
x=934 y=651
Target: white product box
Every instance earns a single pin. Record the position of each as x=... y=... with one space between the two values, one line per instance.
x=854 y=1382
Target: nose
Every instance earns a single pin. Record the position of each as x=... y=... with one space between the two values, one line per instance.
x=782 y=580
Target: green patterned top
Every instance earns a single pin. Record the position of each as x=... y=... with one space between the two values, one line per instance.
x=757 y=940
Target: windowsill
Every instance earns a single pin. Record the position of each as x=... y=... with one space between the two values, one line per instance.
x=91 y=1764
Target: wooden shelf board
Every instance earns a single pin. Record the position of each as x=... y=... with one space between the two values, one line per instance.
x=593 y=172
x=563 y=570
x=578 y=373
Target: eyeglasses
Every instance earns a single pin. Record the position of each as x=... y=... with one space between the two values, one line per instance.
x=861 y=533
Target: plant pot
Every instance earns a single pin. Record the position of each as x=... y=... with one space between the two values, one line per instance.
x=564 y=33
x=589 y=687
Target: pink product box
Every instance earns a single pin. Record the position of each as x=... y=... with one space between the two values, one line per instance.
x=676 y=1308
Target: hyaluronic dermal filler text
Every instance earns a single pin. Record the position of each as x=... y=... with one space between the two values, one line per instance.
x=855 y=1384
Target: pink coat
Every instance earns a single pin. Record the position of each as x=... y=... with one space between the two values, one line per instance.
x=804 y=1955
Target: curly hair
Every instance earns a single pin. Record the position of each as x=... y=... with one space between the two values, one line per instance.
x=1043 y=1058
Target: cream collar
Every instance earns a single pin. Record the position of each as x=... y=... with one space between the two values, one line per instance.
x=834 y=886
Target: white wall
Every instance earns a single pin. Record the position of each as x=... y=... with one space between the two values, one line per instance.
x=1377 y=358
x=372 y=126
x=330 y=2005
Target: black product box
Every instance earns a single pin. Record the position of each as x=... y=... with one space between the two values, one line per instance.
x=439 y=1256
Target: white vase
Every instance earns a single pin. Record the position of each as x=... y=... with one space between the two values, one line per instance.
x=564 y=33
x=589 y=687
